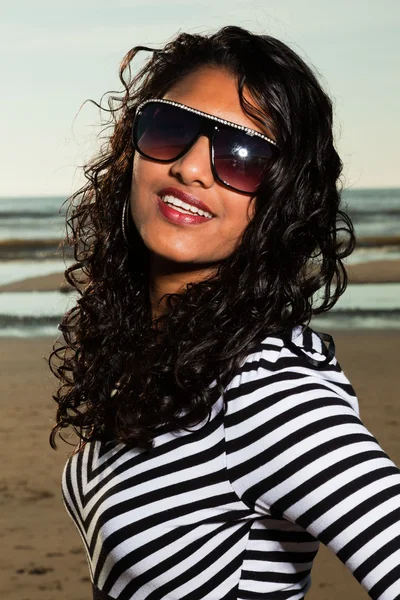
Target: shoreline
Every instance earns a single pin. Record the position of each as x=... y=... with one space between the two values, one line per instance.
x=378 y=271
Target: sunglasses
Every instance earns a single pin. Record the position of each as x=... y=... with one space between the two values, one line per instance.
x=164 y=131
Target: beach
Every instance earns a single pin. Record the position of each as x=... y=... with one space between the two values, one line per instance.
x=379 y=271
x=44 y=558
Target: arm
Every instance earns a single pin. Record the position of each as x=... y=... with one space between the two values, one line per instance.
x=297 y=450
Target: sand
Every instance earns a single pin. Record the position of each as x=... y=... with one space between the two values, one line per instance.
x=380 y=271
x=44 y=283
x=42 y=556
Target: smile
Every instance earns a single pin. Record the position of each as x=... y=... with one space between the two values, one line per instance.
x=184 y=207
x=179 y=215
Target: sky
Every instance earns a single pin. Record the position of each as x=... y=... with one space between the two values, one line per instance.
x=55 y=55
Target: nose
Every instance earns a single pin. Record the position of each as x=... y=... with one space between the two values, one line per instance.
x=194 y=167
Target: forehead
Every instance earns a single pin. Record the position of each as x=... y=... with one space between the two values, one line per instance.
x=213 y=90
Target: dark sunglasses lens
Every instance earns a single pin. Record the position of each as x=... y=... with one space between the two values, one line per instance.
x=240 y=159
x=162 y=131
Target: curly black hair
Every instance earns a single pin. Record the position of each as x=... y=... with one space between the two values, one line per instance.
x=122 y=375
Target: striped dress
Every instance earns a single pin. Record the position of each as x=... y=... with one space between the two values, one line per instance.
x=236 y=508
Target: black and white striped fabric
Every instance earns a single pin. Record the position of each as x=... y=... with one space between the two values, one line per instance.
x=235 y=508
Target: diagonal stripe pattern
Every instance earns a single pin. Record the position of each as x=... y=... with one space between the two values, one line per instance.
x=235 y=509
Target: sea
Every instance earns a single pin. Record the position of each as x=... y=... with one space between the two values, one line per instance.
x=31 y=229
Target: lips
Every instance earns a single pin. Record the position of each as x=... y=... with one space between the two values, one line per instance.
x=188 y=198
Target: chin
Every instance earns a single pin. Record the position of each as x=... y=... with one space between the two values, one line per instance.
x=177 y=258
x=181 y=259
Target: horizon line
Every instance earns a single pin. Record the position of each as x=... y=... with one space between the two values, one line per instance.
x=58 y=195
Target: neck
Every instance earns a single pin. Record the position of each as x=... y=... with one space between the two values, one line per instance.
x=167 y=277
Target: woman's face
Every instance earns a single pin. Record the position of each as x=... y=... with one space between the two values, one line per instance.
x=213 y=91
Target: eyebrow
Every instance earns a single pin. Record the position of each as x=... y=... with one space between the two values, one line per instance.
x=248 y=130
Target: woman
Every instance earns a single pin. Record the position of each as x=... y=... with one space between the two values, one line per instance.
x=220 y=439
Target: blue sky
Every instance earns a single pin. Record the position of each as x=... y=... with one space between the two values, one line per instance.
x=55 y=55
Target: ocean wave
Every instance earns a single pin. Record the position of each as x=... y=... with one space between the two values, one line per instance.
x=33 y=327
x=24 y=327
x=30 y=214
x=25 y=320
x=54 y=320
x=354 y=319
x=372 y=212
x=49 y=248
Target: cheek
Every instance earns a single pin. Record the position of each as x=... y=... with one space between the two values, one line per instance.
x=144 y=172
x=138 y=171
x=138 y=190
x=142 y=178
x=147 y=176
x=237 y=214
x=241 y=212
x=251 y=207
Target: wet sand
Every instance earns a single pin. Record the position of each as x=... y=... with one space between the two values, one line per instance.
x=44 y=283
x=42 y=556
x=380 y=271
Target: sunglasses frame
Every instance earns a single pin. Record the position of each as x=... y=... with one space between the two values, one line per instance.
x=209 y=128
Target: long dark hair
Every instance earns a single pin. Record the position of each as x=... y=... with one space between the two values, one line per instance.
x=119 y=378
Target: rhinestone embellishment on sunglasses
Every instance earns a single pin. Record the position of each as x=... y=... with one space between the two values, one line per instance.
x=247 y=130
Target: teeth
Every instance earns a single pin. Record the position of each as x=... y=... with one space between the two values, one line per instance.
x=185 y=208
